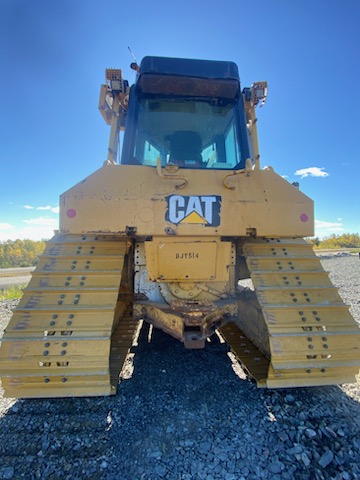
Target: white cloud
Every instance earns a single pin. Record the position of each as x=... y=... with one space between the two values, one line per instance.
x=48 y=208
x=311 y=172
x=6 y=226
x=43 y=221
x=41 y=228
x=322 y=224
x=28 y=233
x=323 y=228
x=44 y=208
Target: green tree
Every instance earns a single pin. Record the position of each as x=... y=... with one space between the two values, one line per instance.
x=20 y=253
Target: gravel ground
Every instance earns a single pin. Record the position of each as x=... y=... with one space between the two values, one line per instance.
x=183 y=414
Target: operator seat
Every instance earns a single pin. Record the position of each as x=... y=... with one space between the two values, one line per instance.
x=185 y=149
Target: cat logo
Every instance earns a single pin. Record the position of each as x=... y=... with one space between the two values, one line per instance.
x=203 y=210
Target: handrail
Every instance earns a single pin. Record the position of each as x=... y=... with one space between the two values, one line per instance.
x=247 y=170
x=171 y=176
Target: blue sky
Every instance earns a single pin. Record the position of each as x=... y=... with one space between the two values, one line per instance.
x=53 y=56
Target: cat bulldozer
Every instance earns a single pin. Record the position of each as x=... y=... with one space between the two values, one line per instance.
x=167 y=235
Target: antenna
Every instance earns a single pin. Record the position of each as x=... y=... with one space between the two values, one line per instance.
x=134 y=65
x=132 y=54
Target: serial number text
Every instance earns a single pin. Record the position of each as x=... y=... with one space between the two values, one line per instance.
x=184 y=256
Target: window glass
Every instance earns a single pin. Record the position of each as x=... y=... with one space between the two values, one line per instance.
x=151 y=154
x=189 y=132
x=231 y=147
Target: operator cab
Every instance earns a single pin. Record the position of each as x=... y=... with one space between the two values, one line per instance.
x=188 y=113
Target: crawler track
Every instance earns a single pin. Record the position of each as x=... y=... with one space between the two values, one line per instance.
x=311 y=337
x=70 y=334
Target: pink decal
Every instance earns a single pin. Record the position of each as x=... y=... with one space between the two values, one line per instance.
x=304 y=218
x=71 y=213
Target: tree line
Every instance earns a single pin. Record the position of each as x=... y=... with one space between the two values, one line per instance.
x=20 y=253
x=345 y=240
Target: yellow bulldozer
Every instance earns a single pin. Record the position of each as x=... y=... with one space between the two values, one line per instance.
x=166 y=236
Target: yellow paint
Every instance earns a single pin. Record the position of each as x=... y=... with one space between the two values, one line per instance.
x=58 y=341
x=194 y=218
x=109 y=201
x=190 y=259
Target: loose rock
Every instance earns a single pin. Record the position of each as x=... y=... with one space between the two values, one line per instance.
x=326 y=458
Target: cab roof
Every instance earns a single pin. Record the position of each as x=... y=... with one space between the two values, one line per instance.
x=211 y=69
